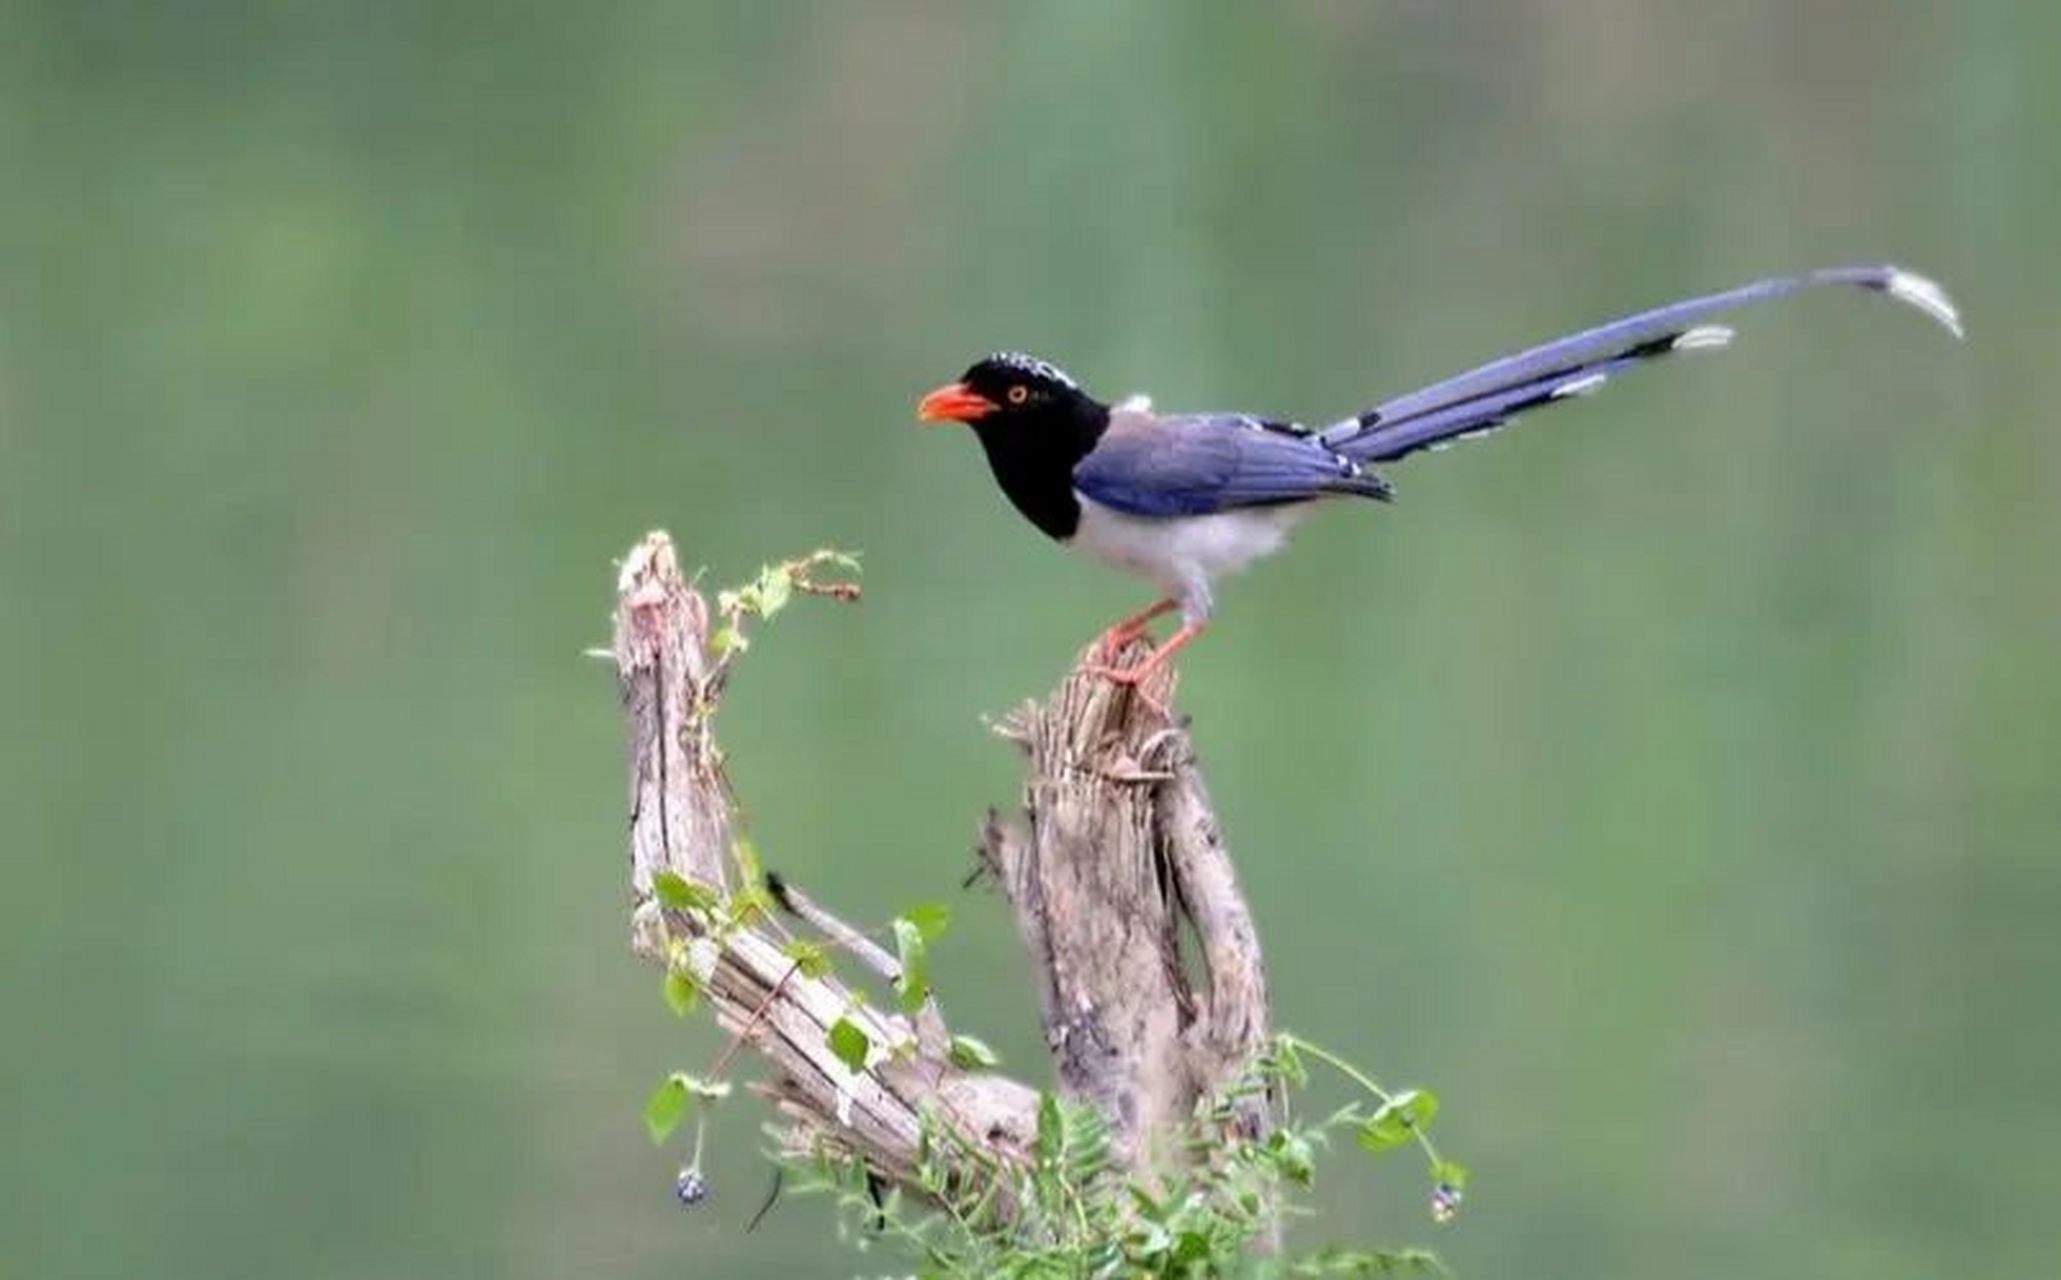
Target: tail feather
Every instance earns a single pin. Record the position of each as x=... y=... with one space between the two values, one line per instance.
x=1482 y=399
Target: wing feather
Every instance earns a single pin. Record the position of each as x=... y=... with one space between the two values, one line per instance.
x=1198 y=465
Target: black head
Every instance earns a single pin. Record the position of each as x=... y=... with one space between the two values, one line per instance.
x=1034 y=421
x=1008 y=390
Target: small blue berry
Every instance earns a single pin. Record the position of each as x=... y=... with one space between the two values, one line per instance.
x=690 y=1187
x=1445 y=1202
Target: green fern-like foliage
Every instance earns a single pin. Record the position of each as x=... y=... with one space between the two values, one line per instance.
x=1071 y=1211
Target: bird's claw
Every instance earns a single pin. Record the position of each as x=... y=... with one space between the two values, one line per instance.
x=1124 y=630
x=1132 y=678
x=1128 y=676
x=1115 y=639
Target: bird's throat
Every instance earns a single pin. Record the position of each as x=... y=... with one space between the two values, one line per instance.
x=1033 y=460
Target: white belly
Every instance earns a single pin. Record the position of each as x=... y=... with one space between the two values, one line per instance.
x=1184 y=554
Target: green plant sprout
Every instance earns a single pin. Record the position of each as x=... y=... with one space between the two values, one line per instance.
x=1070 y=1209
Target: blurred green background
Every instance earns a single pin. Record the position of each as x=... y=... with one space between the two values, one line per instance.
x=1672 y=782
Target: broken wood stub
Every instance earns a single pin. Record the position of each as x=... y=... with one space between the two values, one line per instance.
x=681 y=821
x=679 y=803
x=1116 y=853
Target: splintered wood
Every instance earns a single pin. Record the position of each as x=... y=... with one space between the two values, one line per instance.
x=680 y=821
x=1117 y=851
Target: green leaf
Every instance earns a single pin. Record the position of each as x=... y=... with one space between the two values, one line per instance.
x=1147 y=1207
x=810 y=958
x=681 y=993
x=1450 y=1172
x=1087 y=1145
x=930 y=918
x=667 y=1107
x=1103 y=1259
x=1051 y=1128
x=1290 y=1063
x=1151 y=1240
x=969 y=1054
x=1398 y=1119
x=1191 y=1247
x=750 y=905
x=775 y=588
x=914 y=954
x=1293 y=1157
x=727 y=640
x=1417 y=1105
x=1385 y=1131
x=849 y=1043
x=681 y=894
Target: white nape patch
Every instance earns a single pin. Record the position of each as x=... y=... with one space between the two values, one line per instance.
x=1927 y=296
x=1580 y=386
x=1135 y=403
x=1702 y=337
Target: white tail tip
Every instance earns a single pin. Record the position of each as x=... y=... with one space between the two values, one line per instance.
x=1926 y=296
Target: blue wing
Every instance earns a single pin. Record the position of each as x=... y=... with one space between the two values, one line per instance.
x=1200 y=464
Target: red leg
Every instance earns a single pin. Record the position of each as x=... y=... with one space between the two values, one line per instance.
x=1132 y=675
x=1131 y=628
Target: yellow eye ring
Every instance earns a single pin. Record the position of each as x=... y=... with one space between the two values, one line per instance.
x=1018 y=394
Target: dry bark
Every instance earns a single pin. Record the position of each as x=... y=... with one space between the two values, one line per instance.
x=1117 y=849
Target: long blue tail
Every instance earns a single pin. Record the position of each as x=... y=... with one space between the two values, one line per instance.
x=1480 y=400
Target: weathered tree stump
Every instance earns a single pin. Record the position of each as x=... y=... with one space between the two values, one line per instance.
x=1116 y=852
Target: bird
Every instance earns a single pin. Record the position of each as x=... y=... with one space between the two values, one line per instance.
x=1182 y=500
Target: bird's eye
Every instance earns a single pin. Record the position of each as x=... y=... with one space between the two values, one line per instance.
x=1018 y=394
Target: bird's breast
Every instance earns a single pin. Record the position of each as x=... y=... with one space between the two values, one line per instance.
x=1173 y=551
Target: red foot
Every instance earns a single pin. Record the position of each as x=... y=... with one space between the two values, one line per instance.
x=1131 y=676
x=1128 y=678
x=1122 y=633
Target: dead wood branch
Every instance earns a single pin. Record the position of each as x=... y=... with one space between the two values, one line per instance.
x=1117 y=851
x=680 y=821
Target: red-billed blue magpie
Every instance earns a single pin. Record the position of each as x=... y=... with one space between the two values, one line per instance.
x=1183 y=499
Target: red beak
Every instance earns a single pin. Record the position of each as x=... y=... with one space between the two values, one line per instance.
x=954 y=402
